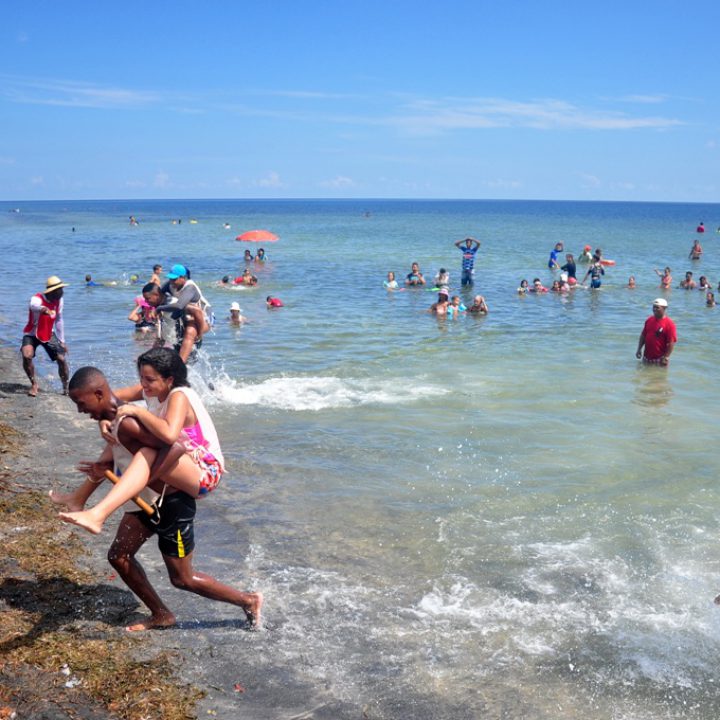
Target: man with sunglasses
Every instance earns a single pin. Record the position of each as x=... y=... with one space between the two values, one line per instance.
x=658 y=336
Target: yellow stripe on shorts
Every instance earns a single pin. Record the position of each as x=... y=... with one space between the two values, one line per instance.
x=180 y=545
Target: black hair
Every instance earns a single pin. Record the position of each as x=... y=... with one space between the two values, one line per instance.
x=167 y=363
x=151 y=287
x=226 y=278
x=83 y=376
x=157 y=267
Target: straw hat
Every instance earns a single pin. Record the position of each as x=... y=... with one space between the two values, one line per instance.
x=54 y=283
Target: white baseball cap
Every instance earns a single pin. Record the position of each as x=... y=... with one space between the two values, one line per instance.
x=660 y=302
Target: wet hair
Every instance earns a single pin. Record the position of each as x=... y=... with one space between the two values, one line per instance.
x=88 y=278
x=167 y=363
x=225 y=279
x=151 y=287
x=85 y=376
x=157 y=268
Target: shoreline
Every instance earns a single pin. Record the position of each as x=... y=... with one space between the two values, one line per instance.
x=64 y=652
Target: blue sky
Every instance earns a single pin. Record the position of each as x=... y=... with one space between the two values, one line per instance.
x=548 y=100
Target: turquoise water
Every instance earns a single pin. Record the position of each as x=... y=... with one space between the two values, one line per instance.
x=505 y=515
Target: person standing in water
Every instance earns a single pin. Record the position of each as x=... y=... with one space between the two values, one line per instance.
x=658 y=337
x=469 y=248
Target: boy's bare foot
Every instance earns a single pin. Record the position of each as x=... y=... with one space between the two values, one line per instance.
x=33 y=391
x=82 y=519
x=154 y=622
x=66 y=500
x=253 y=610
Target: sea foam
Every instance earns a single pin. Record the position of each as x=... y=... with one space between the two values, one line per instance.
x=321 y=393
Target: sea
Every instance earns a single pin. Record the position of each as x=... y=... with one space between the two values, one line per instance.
x=474 y=517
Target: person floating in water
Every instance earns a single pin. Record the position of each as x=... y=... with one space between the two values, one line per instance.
x=700 y=228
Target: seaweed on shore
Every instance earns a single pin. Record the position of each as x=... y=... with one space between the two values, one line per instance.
x=64 y=652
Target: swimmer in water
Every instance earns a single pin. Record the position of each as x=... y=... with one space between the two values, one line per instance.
x=631 y=283
x=537 y=287
x=455 y=308
x=415 y=277
x=704 y=284
x=479 y=306
x=696 y=251
x=441 y=306
x=710 y=298
x=665 y=278
x=688 y=283
x=524 y=288
x=585 y=255
x=235 y=317
x=553 y=263
x=391 y=283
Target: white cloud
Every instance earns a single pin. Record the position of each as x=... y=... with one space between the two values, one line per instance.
x=135 y=183
x=590 y=181
x=504 y=184
x=644 y=99
x=340 y=181
x=71 y=93
x=433 y=116
x=37 y=180
x=161 y=180
x=271 y=180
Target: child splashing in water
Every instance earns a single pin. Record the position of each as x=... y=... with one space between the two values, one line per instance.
x=194 y=463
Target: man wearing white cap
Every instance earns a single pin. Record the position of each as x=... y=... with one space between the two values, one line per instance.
x=235 y=317
x=45 y=327
x=658 y=336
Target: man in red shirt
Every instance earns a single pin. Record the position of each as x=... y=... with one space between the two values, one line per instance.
x=658 y=336
x=45 y=327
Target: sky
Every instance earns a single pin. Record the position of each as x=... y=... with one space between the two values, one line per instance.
x=360 y=99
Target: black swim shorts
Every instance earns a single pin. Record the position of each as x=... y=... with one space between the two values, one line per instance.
x=53 y=348
x=175 y=531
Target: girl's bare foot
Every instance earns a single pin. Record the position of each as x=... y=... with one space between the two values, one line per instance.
x=154 y=622
x=33 y=391
x=253 y=610
x=66 y=500
x=84 y=519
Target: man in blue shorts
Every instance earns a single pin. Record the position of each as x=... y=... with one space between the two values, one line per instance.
x=468 y=247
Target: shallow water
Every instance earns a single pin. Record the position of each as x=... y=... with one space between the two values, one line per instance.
x=505 y=515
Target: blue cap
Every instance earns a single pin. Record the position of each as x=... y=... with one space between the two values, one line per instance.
x=177 y=271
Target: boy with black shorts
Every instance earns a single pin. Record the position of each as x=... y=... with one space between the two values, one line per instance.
x=172 y=523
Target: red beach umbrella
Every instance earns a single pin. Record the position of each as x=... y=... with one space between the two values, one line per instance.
x=257 y=236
